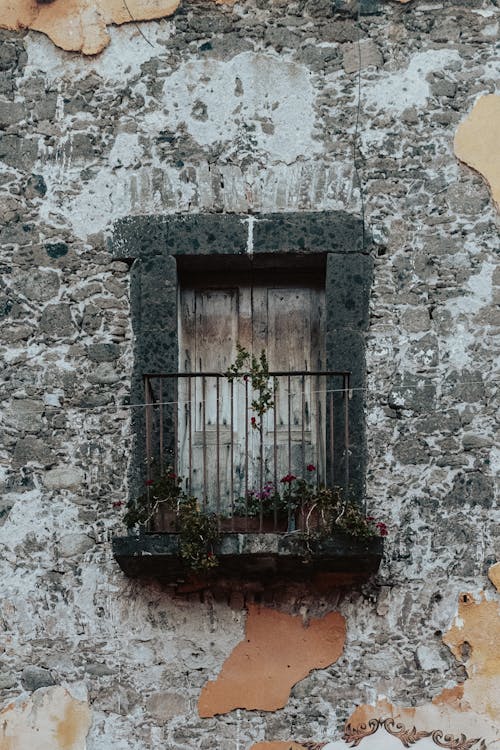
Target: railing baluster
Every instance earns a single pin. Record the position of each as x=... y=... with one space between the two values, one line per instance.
x=217 y=440
x=204 y=429
x=190 y=435
x=319 y=464
x=346 y=432
x=275 y=448
x=331 y=445
x=303 y=425
x=289 y=404
x=147 y=400
x=246 y=452
x=318 y=411
x=231 y=451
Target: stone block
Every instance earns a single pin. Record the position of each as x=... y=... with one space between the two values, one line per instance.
x=63 y=478
x=163 y=706
x=26 y=414
x=358 y=57
x=38 y=285
x=56 y=320
x=71 y=545
x=33 y=678
x=32 y=449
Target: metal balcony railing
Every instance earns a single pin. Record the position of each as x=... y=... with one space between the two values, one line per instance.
x=207 y=430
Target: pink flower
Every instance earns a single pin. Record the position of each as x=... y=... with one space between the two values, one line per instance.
x=382 y=528
x=311 y=467
x=288 y=478
x=253 y=422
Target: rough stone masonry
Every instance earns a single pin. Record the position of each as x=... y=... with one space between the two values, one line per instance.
x=260 y=106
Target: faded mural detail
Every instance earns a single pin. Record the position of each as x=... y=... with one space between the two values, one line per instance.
x=50 y=719
x=477 y=142
x=466 y=716
x=278 y=650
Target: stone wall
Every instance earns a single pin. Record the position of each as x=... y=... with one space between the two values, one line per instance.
x=258 y=107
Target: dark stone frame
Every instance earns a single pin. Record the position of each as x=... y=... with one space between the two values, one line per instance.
x=151 y=243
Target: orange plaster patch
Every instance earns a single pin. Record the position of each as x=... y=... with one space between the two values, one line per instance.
x=278 y=651
x=494 y=576
x=80 y=25
x=476 y=142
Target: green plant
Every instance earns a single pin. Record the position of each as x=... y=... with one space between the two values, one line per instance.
x=198 y=533
x=197 y=529
x=248 y=366
x=165 y=491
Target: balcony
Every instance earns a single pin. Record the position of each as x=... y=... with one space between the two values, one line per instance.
x=268 y=461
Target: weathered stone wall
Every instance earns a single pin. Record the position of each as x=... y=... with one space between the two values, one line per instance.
x=251 y=108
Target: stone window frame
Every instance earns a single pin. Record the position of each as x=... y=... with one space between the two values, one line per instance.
x=151 y=244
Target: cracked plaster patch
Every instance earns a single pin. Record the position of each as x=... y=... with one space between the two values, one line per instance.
x=278 y=651
x=50 y=719
x=477 y=142
x=81 y=25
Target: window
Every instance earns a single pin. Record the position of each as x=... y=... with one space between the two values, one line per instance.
x=294 y=285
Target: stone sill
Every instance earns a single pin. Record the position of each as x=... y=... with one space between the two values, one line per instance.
x=254 y=556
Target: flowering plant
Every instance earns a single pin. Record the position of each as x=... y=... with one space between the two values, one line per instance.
x=260 y=380
x=198 y=530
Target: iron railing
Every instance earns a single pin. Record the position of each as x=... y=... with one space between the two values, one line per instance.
x=205 y=429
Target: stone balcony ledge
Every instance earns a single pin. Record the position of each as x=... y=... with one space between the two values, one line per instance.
x=266 y=557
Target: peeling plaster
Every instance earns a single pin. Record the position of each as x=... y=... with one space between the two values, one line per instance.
x=81 y=25
x=471 y=709
x=476 y=142
x=278 y=651
x=50 y=719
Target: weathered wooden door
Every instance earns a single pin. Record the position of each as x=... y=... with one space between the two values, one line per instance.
x=220 y=452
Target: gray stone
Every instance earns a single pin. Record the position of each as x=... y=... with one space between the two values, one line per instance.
x=33 y=449
x=56 y=320
x=416 y=319
x=103 y=352
x=358 y=57
x=7 y=681
x=11 y=113
x=471 y=488
x=39 y=285
x=99 y=670
x=26 y=414
x=442 y=87
x=63 y=478
x=17 y=152
x=471 y=440
x=163 y=706
x=33 y=678
x=71 y=545
x=104 y=374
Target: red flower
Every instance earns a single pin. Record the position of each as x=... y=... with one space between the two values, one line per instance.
x=288 y=478
x=172 y=475
x=149 y=482
x=118 y=504
x=382 y=528
x=311 y=467
x=253 y=422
